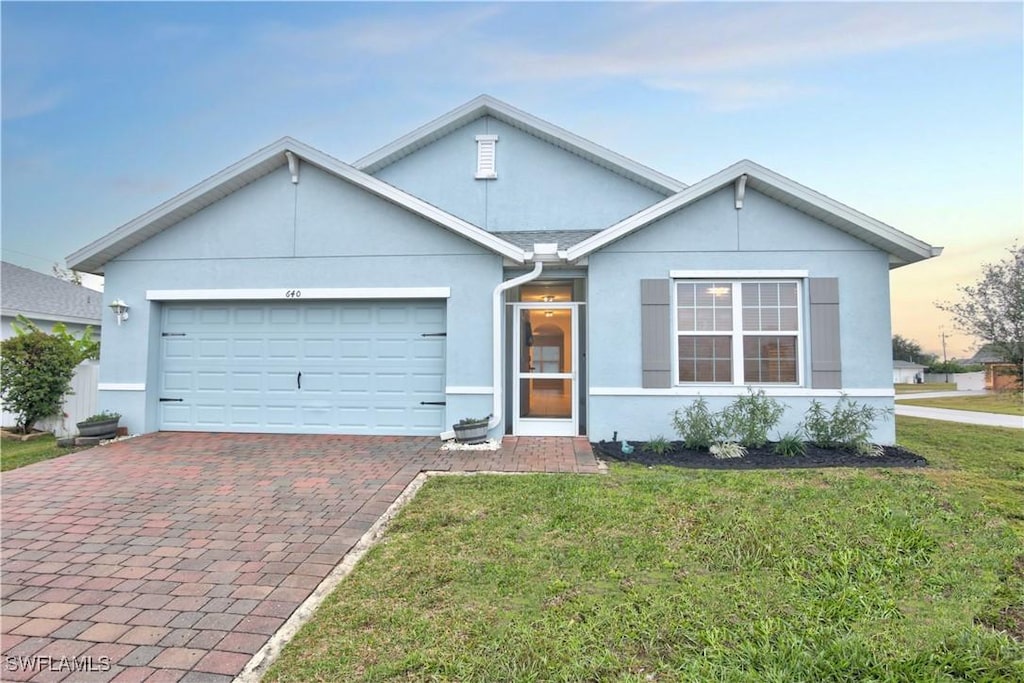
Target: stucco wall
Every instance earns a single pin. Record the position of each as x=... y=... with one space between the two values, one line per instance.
x=323 y=232
x=539 y=186
x=712 y=235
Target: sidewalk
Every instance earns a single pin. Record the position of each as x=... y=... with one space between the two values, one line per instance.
x=940 y=394
x=962 y=416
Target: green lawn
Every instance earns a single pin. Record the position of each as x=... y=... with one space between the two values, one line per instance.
x=1007 y=403
x=14 y=454
x=665 y=575
x=918 y=388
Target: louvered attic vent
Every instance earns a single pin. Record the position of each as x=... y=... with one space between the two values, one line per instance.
x=485 y=157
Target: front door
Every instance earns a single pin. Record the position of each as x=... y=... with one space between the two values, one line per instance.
x=544 y=368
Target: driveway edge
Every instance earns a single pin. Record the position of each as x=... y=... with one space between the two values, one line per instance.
x=268 y=654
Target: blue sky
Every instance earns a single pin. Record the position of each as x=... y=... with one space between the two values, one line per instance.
x=911 y=113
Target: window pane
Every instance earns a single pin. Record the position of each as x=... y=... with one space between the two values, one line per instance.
x=769 y=294
x=706 y=319
x=751 y=319
x=723 y=319
x=769 y=359
x=705 y=359
x=787 y=294
x=687 y=320
x=769 y=319
x=685 y=293
x=750 y=297
x=787 y=318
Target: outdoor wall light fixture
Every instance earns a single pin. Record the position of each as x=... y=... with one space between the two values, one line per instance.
x=120 y=309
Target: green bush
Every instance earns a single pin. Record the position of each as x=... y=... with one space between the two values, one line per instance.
x=847 y=426
x=697 y=426
x=790 y=445
x=35 y=374
x=748 y=419
x=658 y=445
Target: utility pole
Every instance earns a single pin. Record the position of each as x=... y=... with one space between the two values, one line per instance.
x=944 y=362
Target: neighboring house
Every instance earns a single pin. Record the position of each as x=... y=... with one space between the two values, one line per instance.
x=905 y=372
x=46 y=301
x=490 y=262
x=999 y=374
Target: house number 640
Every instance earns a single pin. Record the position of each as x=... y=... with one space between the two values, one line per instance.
x=293 y=294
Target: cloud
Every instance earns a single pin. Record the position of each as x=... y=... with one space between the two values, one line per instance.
x=751 y=51
x=20 y=102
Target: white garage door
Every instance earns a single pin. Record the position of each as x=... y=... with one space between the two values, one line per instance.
x=313 y=367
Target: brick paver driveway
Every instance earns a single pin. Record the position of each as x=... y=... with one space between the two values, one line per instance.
x=176 y=556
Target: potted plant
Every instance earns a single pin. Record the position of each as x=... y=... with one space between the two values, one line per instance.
x=103 y=425
x=470 y=430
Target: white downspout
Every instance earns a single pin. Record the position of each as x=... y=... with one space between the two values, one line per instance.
x=499 y=359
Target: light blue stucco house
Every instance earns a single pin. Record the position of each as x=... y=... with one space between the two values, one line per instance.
x=489 y=262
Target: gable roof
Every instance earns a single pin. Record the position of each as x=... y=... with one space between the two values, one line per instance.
x=485 y=105
x=906 y=364
x=901 y=247
x=94 y=256
x=44 y=297
x=989 y=353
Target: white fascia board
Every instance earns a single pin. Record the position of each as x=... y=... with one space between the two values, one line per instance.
x=93 y=256
x=414 y=204
x=298 y=293
x=652 y=213
x=485 y=105
x=733 y=390
x=195 y=193
x=895 y=240
x=741 y=274
x=52 y=317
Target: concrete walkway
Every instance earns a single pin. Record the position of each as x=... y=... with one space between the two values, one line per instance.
x=940 y=394
x=963 y=416
x=971 y=417
x=175 y=557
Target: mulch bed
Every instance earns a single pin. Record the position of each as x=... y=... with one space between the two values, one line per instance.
x=758 y=458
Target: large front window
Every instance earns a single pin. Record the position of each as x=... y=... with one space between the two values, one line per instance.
x=738 y=332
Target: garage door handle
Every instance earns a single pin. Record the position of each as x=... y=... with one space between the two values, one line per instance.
x=298 y=380
x=171 y=400
x=433 y=403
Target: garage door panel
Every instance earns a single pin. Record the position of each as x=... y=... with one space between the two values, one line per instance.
x=366 y=367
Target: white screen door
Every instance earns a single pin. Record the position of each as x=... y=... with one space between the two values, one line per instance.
x=544 y=367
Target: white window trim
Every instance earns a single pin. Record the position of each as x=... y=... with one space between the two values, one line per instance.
x=121 y=386
x=486 y=171
x=737 y=333
x=298 y=293
x=709 y=390
x=738 y=274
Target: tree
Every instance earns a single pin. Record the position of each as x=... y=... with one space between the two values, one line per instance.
x=992 y=308
x=909 y=350
x=36 y=369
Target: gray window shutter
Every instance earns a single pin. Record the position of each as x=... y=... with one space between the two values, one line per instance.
x=826 y=362
x=655 y=336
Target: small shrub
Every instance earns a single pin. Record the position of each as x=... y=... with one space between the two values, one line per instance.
x=466 y=421
x=847 y=425
x=658 y=445
x=101 y=417
x=728 y=449
x=35 y=373
x=790 y=446
x=749 y=418
x=697 y=426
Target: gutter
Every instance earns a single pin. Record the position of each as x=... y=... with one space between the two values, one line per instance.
x=498 y=358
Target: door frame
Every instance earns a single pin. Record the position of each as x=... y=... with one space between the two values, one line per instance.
x=535 y=426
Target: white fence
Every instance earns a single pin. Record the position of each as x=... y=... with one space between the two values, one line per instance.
x=77 y=406
x=965 y=381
